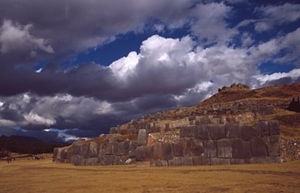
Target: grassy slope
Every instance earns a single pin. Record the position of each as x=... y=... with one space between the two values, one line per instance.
x=289 y=121
x=45 y=176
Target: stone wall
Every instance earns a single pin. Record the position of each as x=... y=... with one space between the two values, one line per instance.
x=199 y=144
x=214 y=144
x=107 y=150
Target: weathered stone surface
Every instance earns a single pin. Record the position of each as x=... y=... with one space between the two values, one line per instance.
x=123 y=148
x=132 y=147
x=216 y=131
x=199 y=144
x=200 y=160
x=187 y=161
x=194 y=147
x=237 y=161
x=78 y=160
x=247 y=133
x=274 y=145
x=112 y=147
x=101 y=151
x=274 y=127
x=83 y=150
x=224 y=148
x=258 y=147
x=219 y=161
x=210 y=148
x=109 y=160
x=240 y=149
x=158 y=151
x=144 y=153
x=176 y=161
x=118 y=161
x=93 y=161
x=187 y=132
x=142 y=137
x=129 y=161
x=93 y=149
x=159 y=163
x=64 y=153
x=178 y=148
x=262 y=129
x=143 y=163
x=167 y=151
x=233 y=130
x=265 y=159
x=201 y=132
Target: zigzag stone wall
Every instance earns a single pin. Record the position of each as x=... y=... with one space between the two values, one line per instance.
x=214 y=144
x=107 y=150
x=198 y=144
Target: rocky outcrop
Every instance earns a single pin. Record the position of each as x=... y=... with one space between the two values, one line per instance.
x=234 y=87
x=295 y=105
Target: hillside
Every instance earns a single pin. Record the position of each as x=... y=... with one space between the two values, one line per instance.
x=237 y=125
x=269 y=103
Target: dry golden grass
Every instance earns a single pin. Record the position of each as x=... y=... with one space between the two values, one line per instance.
x=45 y=176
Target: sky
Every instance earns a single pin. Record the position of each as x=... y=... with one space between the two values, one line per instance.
x=71 y=69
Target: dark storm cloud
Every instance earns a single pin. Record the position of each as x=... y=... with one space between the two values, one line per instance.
x=89 y=98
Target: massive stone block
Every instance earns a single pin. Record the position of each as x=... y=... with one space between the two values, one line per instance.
x=109 y=159
x=274 y=145
x=194 y=147
x=210 y=148
x=123 y=148
x=224 y=148
x=237 y=161
x=264 y=159
x=200 y=160
x=262 y=129
x=187 y=132
x=142 y=137
x=240 y=149
x=159 y=163
x=216 y=131
x=93 y=149
x=112 y=147
x=167 y=151
x=178 y=148
x=132 y=147
x=158 y=153
x=176 y=161
x=78 y=160
x=274 y=127
x=201 y=132
x=219 y=161
x=81 y=150
x=187 y=161
x=92 y=161
x=247 y=133
x=144 y=153
x=233 y=130
x=259 y=147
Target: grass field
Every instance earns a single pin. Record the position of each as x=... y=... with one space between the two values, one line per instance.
x=45 y=176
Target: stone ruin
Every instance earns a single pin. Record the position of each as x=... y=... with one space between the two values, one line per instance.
x=232 y=132
x=196 y=140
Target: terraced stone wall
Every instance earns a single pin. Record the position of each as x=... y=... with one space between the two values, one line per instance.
x=107 y=150
x=212 y=144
